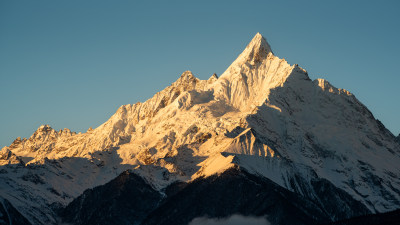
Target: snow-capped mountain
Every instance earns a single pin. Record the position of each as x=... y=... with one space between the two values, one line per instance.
x=262 y=118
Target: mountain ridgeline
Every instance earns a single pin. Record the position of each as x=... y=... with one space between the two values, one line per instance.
x=263 y=140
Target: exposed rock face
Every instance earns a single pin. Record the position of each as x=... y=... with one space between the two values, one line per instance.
x=262 y=115
x=8 y=157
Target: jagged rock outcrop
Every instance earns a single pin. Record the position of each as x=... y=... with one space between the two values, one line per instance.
x=8 y=157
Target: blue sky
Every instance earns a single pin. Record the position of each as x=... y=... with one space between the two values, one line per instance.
x=73 y=63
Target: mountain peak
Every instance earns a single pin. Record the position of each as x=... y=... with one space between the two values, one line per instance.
x=44 y=128
x=213 y=78
x=187 y=78
x=256 y=50
x=259 y=39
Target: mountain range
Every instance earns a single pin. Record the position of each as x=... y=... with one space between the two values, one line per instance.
x=263 y=140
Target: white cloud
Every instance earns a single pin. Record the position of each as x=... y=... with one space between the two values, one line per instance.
x=232 y=220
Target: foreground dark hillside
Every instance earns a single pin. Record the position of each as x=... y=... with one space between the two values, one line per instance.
x=129 y=199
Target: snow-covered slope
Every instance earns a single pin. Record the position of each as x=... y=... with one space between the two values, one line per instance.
x=263 y=115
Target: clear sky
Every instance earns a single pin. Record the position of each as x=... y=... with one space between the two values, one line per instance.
x=73 y=63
